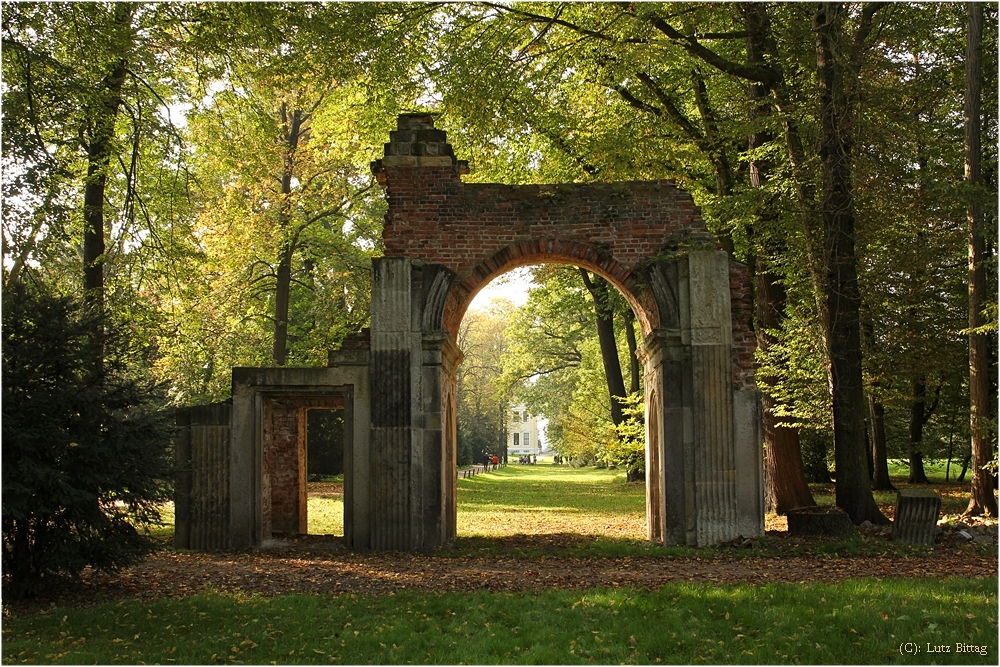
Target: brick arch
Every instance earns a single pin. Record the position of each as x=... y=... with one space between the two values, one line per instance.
x=445 y=239
x=548 y=251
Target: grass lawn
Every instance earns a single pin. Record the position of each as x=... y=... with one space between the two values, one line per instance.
x=536 y=499
x=935 y=469
x=558 y=512
x=853 y=622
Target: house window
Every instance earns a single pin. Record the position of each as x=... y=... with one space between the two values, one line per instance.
x=525 y=416
x=527 y=439
x=516 y=417
x=515 y=440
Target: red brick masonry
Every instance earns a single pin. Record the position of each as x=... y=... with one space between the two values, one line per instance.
x=482 y=230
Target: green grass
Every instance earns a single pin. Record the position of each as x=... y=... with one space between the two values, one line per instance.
x=326 y=516
x=540 y=499
x=935 y=470
x=551 y=499
x=539 y=510
x=859 y=622
x=545 y=510
x=554 y=511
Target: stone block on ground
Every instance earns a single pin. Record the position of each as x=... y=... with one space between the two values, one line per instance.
x=831 y=521
x=916 y=516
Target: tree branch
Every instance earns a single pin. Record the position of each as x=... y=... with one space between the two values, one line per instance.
x=686 y=125
x=690 y=43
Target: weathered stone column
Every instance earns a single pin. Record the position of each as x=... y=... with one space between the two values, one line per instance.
x=413 y=436
x=694 y=440
x=393 y=377
x=438 y=520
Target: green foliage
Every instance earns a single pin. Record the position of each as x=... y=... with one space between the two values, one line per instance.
x=53 y=71
x=628 y=448
x=483 y=392
x=85 y=456
x=860 y=621
x=554 y=365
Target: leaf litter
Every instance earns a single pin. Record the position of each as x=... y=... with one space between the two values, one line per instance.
x=320 y=565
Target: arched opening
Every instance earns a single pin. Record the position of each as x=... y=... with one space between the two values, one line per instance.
x=543 y=500
x=444 y=239
x=549 y=251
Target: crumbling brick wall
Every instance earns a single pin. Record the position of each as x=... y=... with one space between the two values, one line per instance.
x=482 y=230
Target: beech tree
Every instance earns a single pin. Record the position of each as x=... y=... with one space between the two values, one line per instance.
x=278 y=143
x=674 y=75
x=91 y=152
x=982 y=499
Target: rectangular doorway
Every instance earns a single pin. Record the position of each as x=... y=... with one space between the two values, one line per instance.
x=325 y=464
x=287 y=494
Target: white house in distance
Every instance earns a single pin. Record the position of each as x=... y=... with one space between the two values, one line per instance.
x=522 y=430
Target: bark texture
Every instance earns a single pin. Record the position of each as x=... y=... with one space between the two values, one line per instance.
x=918 y=417
x=982 y=500
x=604 y=315
x=293 y=123
x=880 y=476
x=843 y=298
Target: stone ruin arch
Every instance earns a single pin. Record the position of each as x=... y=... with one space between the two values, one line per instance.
x=446 y=239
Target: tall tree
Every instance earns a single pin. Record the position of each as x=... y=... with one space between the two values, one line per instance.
x=87 y=133
x=277 y=131
x=842 y=293
x=982 y=500
x=785 y=480
x=604 y=318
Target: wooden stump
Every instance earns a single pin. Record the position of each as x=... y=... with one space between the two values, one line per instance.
x=814 y=520
x=916 y=516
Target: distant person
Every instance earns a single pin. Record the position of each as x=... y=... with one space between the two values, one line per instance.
x=496 y=459
x=486 y=460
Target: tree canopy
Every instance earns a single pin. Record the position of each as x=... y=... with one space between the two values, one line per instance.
x=201 y=174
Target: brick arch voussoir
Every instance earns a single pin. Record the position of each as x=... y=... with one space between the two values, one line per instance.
x=554 y=251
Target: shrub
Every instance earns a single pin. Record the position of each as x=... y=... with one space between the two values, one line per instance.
x=85 y=453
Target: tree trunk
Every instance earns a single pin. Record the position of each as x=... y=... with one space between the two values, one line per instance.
x=598 y=288
x=965 y=467
x=100 y=149
x=880 y=478
x=843 y=298
x=916 y=431
x=279 y=352
x=786 y=480
x=633 y=360
x=982 y=499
